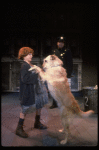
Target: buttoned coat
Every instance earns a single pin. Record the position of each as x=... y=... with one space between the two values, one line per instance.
x=27 y=81
x=66 y=56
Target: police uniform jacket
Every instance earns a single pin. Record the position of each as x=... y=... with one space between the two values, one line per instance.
x=66 y=56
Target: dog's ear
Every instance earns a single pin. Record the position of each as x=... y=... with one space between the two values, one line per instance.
x=52 y=57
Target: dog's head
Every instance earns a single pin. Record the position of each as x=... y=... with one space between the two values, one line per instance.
x=51 y=61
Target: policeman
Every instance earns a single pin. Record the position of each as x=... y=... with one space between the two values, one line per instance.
x=66 y=56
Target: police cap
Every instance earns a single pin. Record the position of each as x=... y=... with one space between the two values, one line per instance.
x=61 y=39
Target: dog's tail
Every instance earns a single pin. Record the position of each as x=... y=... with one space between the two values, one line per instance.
x=86 y=114
x=76 y=109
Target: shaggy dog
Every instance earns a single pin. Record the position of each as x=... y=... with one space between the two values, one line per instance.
x=58 y=86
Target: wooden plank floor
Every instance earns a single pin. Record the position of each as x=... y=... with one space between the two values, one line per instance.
x=83 y=131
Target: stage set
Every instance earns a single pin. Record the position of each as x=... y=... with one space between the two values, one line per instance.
x=42 y=27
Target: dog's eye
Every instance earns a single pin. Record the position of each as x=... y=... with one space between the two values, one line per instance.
x=45 y=60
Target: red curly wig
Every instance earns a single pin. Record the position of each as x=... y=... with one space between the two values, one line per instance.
x=24 y=51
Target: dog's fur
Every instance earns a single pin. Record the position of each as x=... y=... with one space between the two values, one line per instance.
x=58 y=86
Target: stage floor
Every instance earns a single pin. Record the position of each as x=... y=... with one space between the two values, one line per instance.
x=84 y=132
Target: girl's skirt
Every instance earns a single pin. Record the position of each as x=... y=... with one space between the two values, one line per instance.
x=41 y=95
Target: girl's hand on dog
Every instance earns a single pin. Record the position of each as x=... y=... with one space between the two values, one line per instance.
x=36 y=68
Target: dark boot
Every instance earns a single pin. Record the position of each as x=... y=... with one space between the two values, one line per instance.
x=38 y=124
x=54 y=105
x=19 y=130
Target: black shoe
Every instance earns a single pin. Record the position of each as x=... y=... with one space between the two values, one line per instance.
x=53 y=106
x=40 y=126
x=20 y=132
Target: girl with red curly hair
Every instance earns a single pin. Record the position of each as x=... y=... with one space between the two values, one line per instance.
x=30 y=91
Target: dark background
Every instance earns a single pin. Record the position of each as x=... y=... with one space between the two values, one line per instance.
x=17 y=21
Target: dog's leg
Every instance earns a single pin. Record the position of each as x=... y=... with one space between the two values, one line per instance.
x=65 y=123
x=66 y=130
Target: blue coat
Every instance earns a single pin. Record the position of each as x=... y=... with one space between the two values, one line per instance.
x=27 y=82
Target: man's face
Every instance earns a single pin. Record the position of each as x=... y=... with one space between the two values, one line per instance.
x=60 y=44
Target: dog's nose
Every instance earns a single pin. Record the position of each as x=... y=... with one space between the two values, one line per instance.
x=44 y=69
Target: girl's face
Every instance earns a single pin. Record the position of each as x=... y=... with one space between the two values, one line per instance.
x=28 y=58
